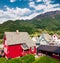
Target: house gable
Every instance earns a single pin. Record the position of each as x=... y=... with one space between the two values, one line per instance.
x=18 y=44
x=42 y=40
x=13 y=38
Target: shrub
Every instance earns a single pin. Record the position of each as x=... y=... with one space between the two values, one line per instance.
x=28 y=58
x=3 y=60
x=15 y=60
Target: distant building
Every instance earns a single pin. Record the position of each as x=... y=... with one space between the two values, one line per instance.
x=44 y=39
x=18 y=44
x=56 y=39
x=53 y=51
x=49 y=45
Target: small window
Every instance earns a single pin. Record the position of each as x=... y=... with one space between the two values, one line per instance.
x=24 y=46
x=37 y=43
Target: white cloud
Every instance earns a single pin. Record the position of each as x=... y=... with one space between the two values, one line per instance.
x=21 y=13
x=12 y=0
x=37 y=7
x=32 y=4
x=38 y=0
x=46 y=6
x=18 y=11
x=13 y=14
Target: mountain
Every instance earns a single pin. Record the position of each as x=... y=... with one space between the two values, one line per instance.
x=48 y=14
x=49 y=21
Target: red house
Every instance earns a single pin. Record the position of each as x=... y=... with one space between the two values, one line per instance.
x=18 y=44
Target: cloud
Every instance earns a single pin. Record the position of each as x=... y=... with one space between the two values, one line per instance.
x=12 y=0
x=32 y=4
x=18 y=13
x=13 y=14
x=47 y=2
x=38 y=0
x=27 y=13
x=46 y=6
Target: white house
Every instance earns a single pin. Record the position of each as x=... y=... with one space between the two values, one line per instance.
x=56 y=39
x=44 y=39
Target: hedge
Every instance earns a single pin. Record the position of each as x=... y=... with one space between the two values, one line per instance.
x=25 y=59
x=28 y=58
x=16 y=60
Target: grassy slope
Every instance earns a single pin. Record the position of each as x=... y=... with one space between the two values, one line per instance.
x=45 y=59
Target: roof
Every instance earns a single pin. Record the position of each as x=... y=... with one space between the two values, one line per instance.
x=57 y=36
x=13 y=38
x=35 y=39
x=46 y=37
x=54 y=49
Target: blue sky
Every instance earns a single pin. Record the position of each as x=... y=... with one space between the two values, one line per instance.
x=25 y=9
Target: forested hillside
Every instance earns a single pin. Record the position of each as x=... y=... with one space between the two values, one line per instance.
x=50 y=23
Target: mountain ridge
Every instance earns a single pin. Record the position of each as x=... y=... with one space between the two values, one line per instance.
x=48 y=14
x=35 y=25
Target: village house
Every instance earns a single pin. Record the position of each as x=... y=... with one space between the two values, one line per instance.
x=44 y=39
x=56 y=39
x=18 y=44
x=49 y=45
x=53 y=51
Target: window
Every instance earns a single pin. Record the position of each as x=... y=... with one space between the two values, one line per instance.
x=37 y=43
x=24 y=46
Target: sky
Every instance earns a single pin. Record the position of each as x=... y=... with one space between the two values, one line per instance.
x=26 y=9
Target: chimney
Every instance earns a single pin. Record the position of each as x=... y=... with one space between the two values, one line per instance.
x=17 y=31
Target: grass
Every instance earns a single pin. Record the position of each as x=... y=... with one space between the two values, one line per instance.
x=3 y=60
x=45 y=59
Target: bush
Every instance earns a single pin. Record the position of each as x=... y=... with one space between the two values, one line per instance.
x=15 y=60
x=28 y=58
x=25 y=59
x=3 y=60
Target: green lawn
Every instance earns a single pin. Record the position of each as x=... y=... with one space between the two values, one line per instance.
x=30 y=59
x=46 y=59
x=3 y=60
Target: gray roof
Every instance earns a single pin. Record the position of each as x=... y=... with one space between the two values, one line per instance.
x=46 y=36
x=13 y=38
x=54 y=49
